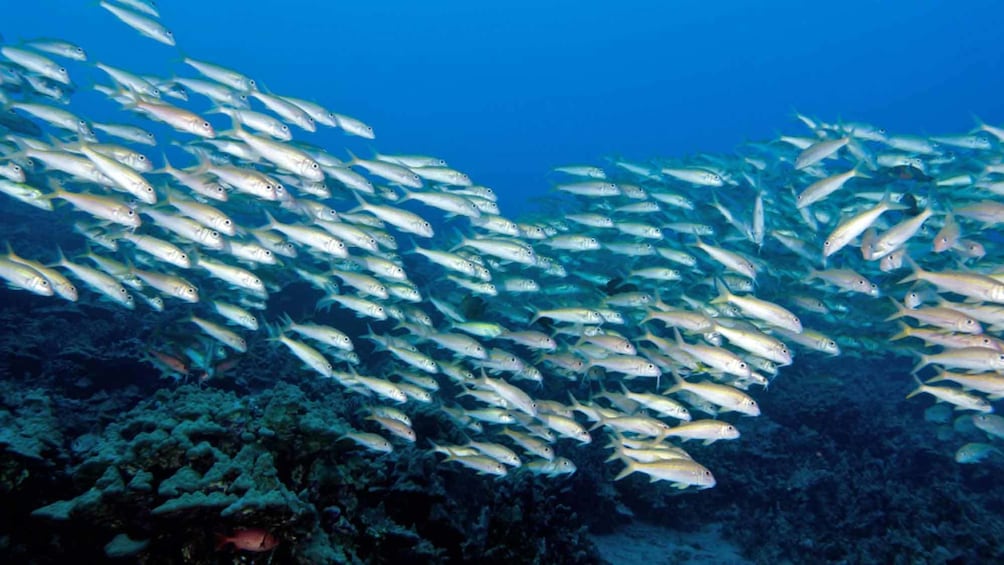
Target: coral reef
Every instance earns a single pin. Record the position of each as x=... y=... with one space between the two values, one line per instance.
x=186 y=463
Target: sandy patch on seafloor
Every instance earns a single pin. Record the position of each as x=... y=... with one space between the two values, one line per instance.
x=647 y=544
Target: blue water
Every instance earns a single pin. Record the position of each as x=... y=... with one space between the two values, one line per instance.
x=507 y=90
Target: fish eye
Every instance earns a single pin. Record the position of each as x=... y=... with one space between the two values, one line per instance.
x=131 y=213
x=122 y=290
x=313 y=165
x=969 y=322
x=284 y=127
x=742 y=365
x=62 y=70
x=205 y=125
x=142 y=157
x=826 y=243
x=252 y=82
x=79 y=50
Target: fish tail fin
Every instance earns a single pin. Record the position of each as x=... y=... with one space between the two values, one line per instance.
x=221 y=541
x=857 y=170
x=924 y=361
x=941 y=376
x=677 y=337
x=905 y=331
x=600 y=422
x=918 y=390
x=618 y=453
x=723 y=292
x=915 y=275
x=237 y=128
x=274 y=331
x=900 y=310
x=10 y=251
x=325 y=302
x=629 y=467
x=60 y=257
x=217 y=109
x=980 y=124
x=270 y=221
x=359 y=199
x=285 y=320
x=168 y=168
x=678 y=383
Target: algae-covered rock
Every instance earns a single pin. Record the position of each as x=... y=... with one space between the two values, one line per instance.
x=124 y=546
x=195 y=501
x=185 y=480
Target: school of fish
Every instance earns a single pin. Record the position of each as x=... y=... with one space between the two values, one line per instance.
x=675 y=289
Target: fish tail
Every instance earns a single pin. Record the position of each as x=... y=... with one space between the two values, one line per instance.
x=167 y=168
x=723 y=292
x=270 y=221
x=285 y=320
x=629 y=467
x=904 y=332
x=900 y=311
x=941 y=376
x=10 y=251
x=918 y=390
x=676 y=387
x=618 y=454
x=924 y=361
x=274 y=331
x=915 y=275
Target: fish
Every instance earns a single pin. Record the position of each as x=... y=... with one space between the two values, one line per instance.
x=513 y=311
x=681 y=473
x=254 y=540
x=975 y=452
x=145 y=26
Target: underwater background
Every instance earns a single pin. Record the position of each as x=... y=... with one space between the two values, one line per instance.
x=107 y=457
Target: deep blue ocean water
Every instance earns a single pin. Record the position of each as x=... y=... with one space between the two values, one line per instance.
x=507 y=91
